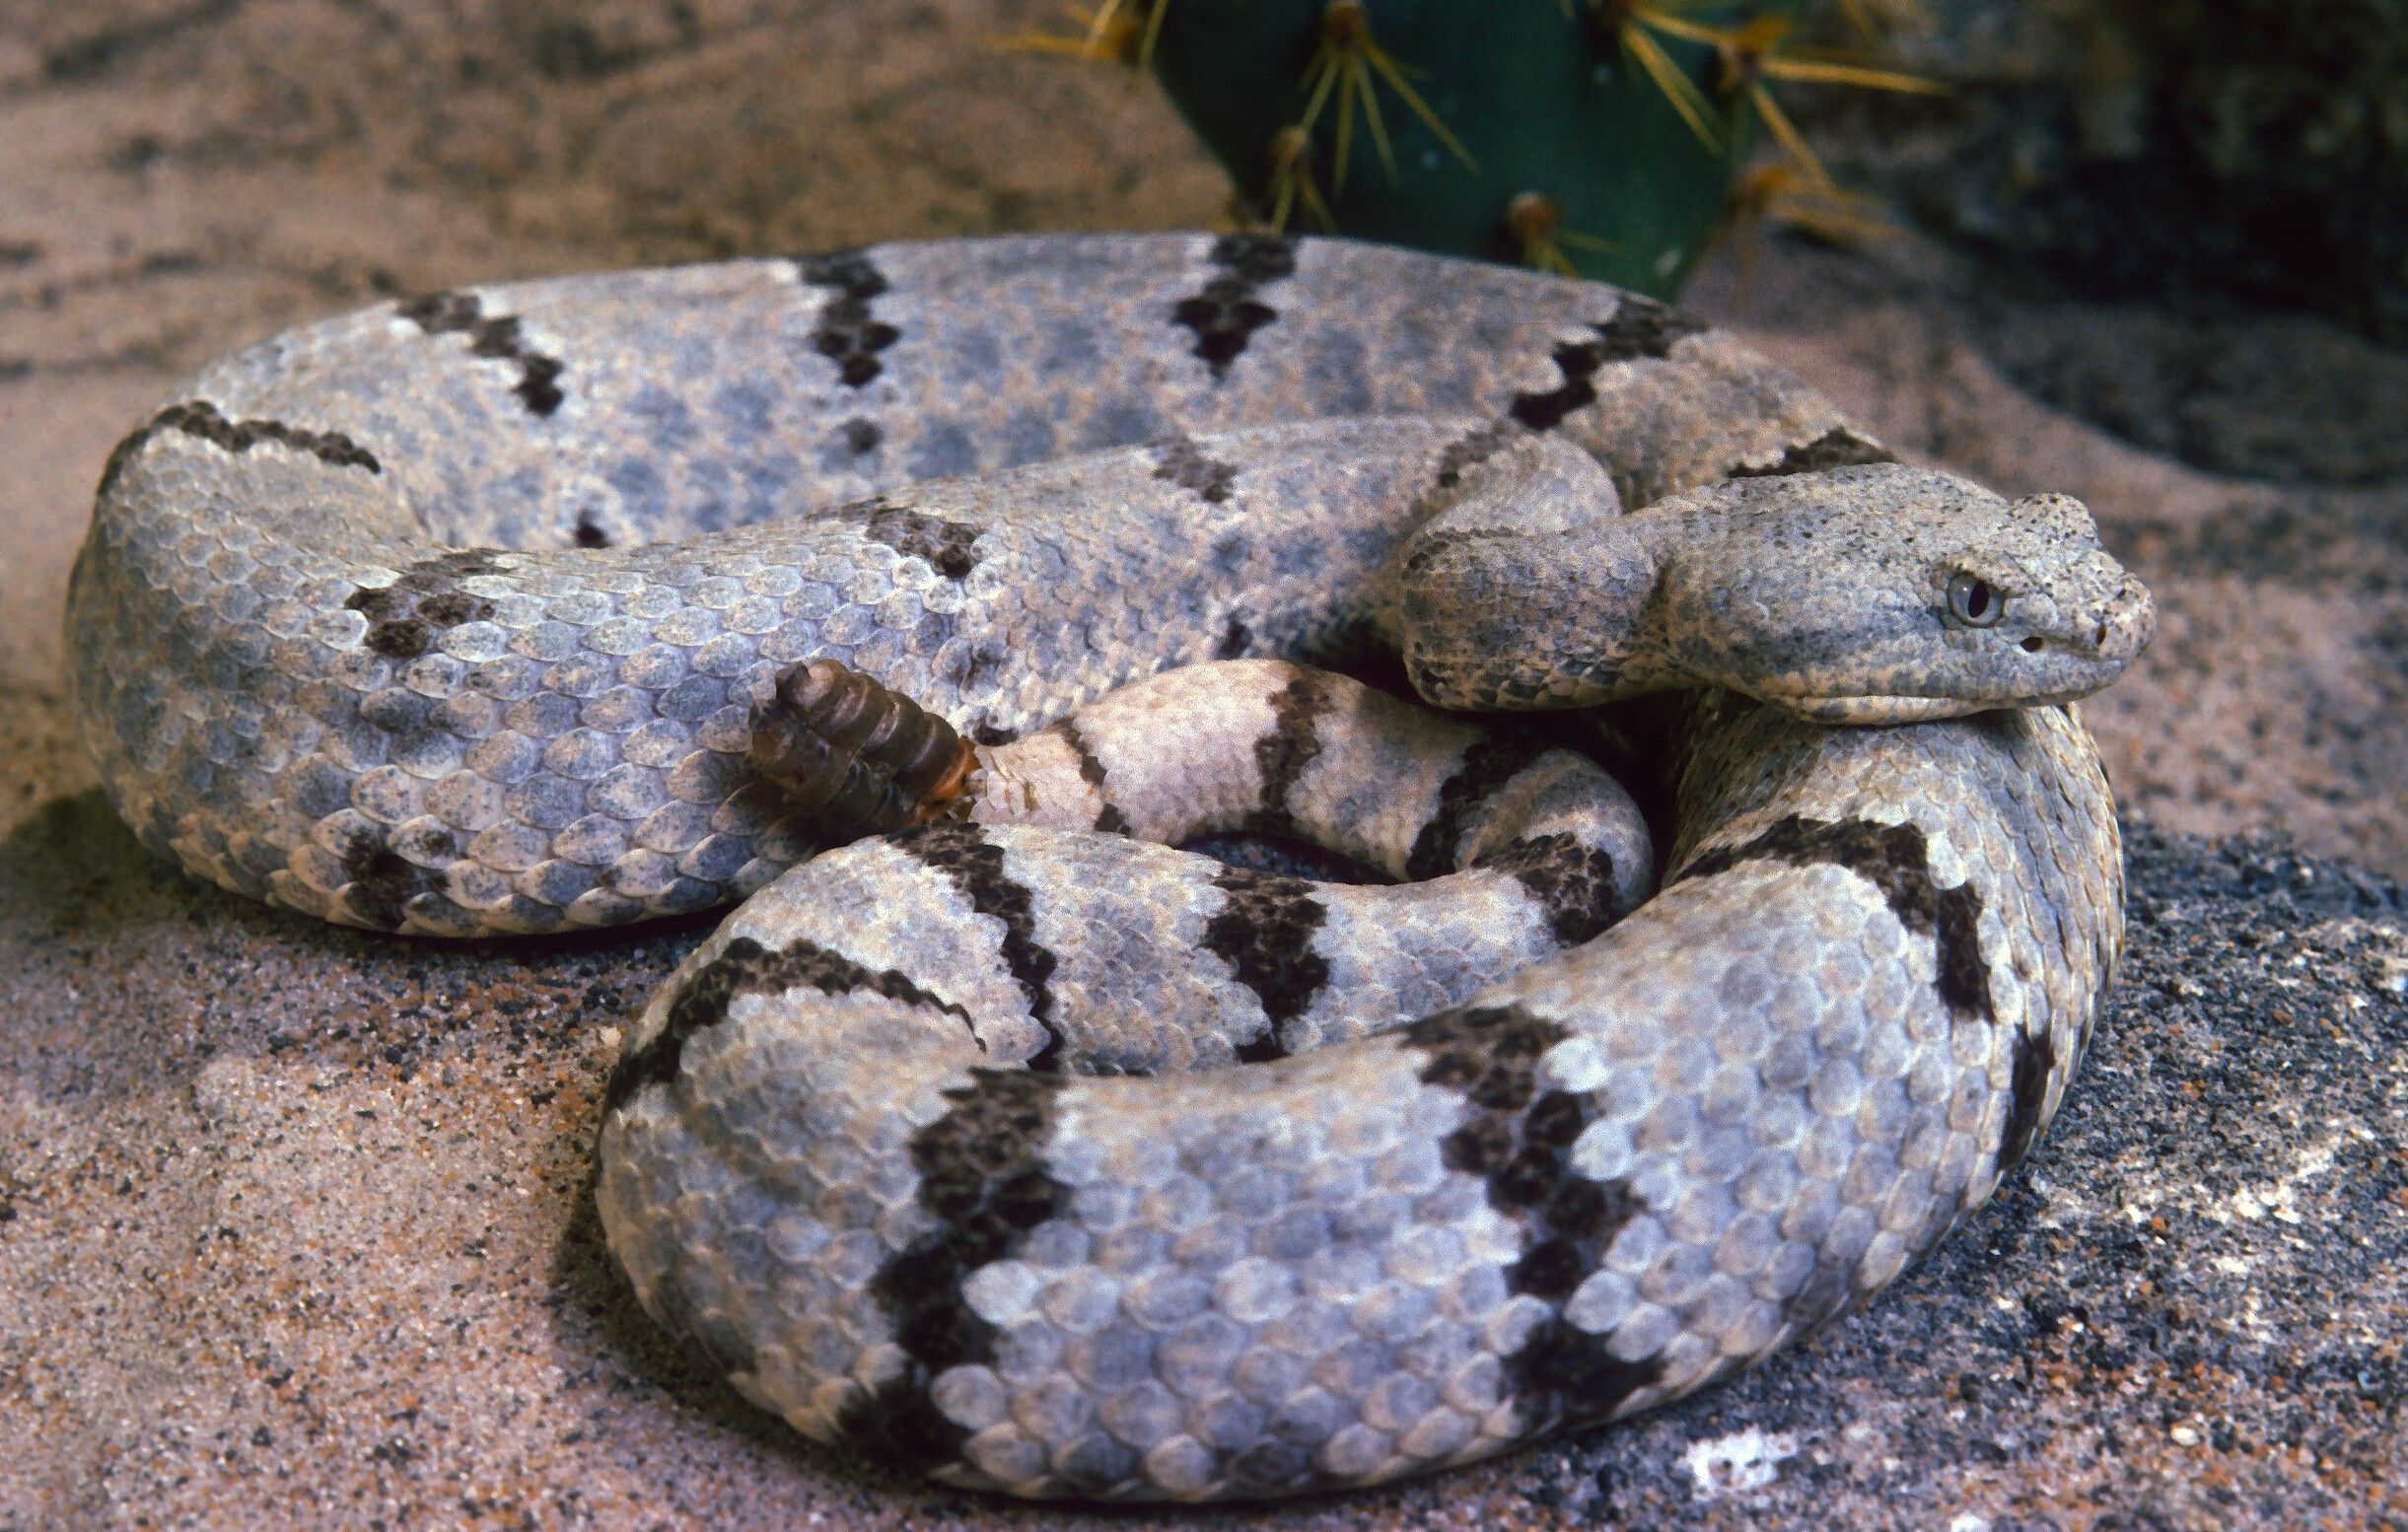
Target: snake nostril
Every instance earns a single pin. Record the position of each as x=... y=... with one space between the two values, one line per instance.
x=2034 y=644
x=2099 y=640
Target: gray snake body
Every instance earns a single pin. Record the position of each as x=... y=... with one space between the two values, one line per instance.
x=449 y=619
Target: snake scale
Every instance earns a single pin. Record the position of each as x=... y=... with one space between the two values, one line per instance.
x=456 y=617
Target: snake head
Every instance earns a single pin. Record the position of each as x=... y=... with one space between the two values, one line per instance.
x=1889 y=594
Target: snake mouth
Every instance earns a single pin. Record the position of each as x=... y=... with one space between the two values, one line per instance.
x=1877 y=709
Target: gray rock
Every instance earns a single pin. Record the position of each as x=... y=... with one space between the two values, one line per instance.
x=297 y=1224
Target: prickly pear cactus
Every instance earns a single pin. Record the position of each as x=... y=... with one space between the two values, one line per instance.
x=1567 y=133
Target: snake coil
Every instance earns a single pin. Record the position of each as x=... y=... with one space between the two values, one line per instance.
x=452 y=617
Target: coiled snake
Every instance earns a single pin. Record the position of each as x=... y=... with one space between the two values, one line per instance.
x=451 y=618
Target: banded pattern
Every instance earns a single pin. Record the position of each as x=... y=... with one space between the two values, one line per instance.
x=451 y=618
x=1539 y=1206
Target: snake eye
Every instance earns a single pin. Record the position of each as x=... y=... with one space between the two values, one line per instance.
x=1975 y=603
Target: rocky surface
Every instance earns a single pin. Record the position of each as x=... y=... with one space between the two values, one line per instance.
x=297 y=1217
x=296 y=1223
x=2203 y=149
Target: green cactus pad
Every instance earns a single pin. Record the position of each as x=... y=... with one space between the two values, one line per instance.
x=1544 y=101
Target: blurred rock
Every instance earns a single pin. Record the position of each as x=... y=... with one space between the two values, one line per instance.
x=2167 y=149
x=2217 y=189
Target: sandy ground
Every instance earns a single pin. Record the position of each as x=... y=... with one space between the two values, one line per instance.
x=299 y=1216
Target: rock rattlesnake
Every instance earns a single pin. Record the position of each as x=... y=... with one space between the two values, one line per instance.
x=450 y=618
